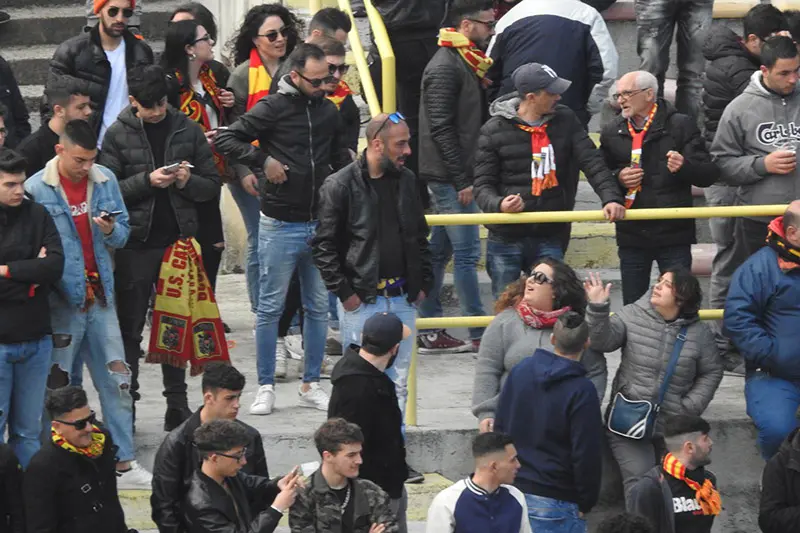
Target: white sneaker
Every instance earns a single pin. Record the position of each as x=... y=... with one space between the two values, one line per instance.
x=315 y=398
x=137 y=478
x=264 y=402
x=294 y=345
x=281 y=354
x=327 y=367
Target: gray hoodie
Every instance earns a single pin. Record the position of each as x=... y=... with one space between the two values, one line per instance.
x=756 y=123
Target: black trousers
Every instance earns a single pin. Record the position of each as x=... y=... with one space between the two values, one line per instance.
x=751 y=235
x=293 y=306
x=635 y=265
x=135 y=275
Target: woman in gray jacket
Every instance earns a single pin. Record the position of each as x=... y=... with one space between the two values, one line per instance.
x=646 y=331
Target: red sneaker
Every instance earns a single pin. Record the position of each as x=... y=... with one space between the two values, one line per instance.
x=440 y=342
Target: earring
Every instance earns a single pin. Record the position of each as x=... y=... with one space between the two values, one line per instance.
x=192 y=56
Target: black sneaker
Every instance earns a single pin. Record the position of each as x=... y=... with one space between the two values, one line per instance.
x=4 y=17
x=360 y=12
x=175 y=416
x=414 y=477
x=226 y=327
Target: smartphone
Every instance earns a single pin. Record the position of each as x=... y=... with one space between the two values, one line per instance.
x=112 y=214
x=309 y=468
x=169 y=169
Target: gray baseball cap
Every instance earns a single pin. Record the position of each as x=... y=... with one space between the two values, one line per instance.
x=534 y=77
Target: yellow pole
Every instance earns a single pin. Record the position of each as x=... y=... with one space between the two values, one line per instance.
x=388 y=74
x=411 y=401
x=314 y=5
x=367 y=87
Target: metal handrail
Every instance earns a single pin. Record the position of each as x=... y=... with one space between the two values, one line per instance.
x=367 y=87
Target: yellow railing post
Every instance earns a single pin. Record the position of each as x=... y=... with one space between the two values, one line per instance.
x=411 y=401
x=367 y=87
x=314 y=5
x=388 y=65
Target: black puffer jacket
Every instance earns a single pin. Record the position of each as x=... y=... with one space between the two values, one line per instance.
x=17 y=119
x=177 y=460
x=670 y=130
x=83 y=60
x=306 y=135
x=128 y=154
x=407 y=18
x=12 y=515
x=346 y=247
x=779 y=511
x=728 y=72
x=503 y=167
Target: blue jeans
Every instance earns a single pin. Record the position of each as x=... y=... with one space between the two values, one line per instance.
x=505 y=260
x=547 y=515
x=461 y=242
x=97 y=340
x=772 y=405
x=333 y=311
x=352 y=322
x=23 y=381
x=250 y=208
x=284 y=247
x=635 y=265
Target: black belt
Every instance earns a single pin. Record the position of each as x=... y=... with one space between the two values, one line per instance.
x=392 y=292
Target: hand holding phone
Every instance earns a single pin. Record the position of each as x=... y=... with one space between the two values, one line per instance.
x=105 y=215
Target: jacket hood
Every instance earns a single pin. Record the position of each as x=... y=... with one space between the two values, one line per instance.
x=285 y=86
x=790 y=448
x=552 y=369
x=507 y=106
x=756 y=88
x=647 y=307
x=353 y=364
x=130 y=118
x=776 y=226
x=721 y=42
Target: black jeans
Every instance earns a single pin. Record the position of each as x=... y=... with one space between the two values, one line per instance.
x=292 y=307
x=635 y=265
x=751 y=235
x=135 y=275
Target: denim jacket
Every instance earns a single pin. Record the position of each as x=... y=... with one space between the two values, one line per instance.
x=103 y=194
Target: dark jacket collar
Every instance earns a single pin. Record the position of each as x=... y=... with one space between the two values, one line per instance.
x=352 y=364
x=216 y=497
x=361 y=506
x=131 y=42
x=175 y=119
x=663 y=114
x=791 y=447
x=9 y=214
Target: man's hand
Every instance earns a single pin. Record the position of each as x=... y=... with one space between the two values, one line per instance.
x=276 y=171
x=226 y=98
x=42 y=253
x=288 y=478
x=288 y=493
x=161 y=179
x=613 y=211
x=211 y=135
x=106 y=226
x=250 y=185
x=781 y=162
x=420 y=297
x=596 y=293
x=486 y=425
x=182 y=175
x=512 y=204
x=631 y=177
x=674 y=161
x=377 y=528
x=352 y=303
x=465 y=196
x=3 y=271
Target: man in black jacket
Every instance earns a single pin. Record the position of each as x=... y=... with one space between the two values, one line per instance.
x=657 y=154
x=452 y=111
x=31 y=259
x=70 y=485
x=300 y=140
x=12 y=512
x=100 y=59
x=364 y=395
x=779 y=510
x=372 y=245
x=177 y=458
x=16 y=116
x=148 y=136
x=507 y=182
x=221 y=497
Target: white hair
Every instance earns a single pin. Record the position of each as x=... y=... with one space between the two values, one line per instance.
x=645 y=80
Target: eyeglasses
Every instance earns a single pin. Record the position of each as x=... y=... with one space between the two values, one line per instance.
x=238 y=457
x=316 y=82
x=127 y=12
x=626 y=94
x=342 y=69
x=206 y=38
x=394 y=118
x=488 y=23
x=272 y=36
x=80 y=424
x=539 y=278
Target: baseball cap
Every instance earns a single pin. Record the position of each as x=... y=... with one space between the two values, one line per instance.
x=381 y=332
x=534 y=77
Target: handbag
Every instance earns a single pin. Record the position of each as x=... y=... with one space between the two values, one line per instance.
x=636 y=419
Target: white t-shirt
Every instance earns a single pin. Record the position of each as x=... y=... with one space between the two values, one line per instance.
x=117 y=98
x=213 y=118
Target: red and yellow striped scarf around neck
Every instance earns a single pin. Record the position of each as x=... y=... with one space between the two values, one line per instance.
x=475 y=58
x=637 y=141
x=543 y=159
x=342 y=91
x=94 y=450
x=707 y=496
x=259 y=80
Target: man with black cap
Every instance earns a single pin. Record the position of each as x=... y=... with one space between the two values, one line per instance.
x=529 y=158
x=363 y=394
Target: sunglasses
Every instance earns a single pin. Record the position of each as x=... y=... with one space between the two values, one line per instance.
x=394 y=118
x=539 y=278
x=341 y=69
x=238 y=457
x=127 y=12
x=317 y=82
x=488 y=23
x=272 y=36
x=206 y=38
x=80 y=424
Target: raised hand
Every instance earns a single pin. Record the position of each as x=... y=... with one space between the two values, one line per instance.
x=596 y=293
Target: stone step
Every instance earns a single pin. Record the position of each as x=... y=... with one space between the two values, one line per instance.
x=43 y=4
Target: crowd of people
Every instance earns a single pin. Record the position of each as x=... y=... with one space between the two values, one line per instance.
x=110 y=221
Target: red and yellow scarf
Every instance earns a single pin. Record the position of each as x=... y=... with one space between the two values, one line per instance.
x=192 y=107
x=94 y=450
x=788 y=255
x=637 y=140
x=259 y=80
x=474 y=56
x=543 y=159
x=707 y=496
x=539 y=319
x=342 y=91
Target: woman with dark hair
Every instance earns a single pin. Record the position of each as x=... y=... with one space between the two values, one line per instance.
x=646 y=332
x=526 y=313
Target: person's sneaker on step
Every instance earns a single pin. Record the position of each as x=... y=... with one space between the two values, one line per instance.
x=414 y=476
x=315 y=397
x=5 y=17
x=476 y=345
x=326 y=368
x=294 y=346
x=281 y=358
x=359 y=12
x=333 y=346
x=135 y=478
x=264 y=401
x=175 y=416
x=439 y=341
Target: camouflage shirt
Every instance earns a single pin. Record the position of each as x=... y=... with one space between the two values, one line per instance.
x=318 y=510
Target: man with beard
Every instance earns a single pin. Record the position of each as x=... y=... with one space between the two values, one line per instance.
x=372 y=246
x=680 y=494
x=290 y=125
x=100 y=59
x=452 y=111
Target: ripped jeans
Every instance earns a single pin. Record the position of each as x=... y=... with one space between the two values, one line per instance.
x=96 y=338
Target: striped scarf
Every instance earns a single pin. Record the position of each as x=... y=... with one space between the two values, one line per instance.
x=342 y=91
x=259 y=80
x=475 y=58
x=94 y=450
x=706 y=495
x=788 y=255
x=195 y=109
x=543 y=159
x=637 y=140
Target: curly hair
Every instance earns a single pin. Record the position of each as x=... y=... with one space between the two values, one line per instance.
x=567 y=289
x=242 y=42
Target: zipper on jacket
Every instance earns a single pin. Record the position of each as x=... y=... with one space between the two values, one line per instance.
x=313 y=163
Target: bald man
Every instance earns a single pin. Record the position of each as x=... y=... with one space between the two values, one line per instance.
x=372 y=243
x=761 y=319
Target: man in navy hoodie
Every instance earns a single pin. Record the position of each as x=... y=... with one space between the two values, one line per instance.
x=559 y=442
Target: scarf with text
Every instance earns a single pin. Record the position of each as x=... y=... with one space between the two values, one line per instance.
x=259 y=80
x=342 y=91
x=94 y=450
x=94 y=290
x=474 y=56
x=707 y=496
x=194 y=107
x=788 y=255
x=187 y=329
x=637 y=140
x=543 y=159
x=539 y=319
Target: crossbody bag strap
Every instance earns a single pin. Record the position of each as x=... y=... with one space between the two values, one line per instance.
x=673 y=363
